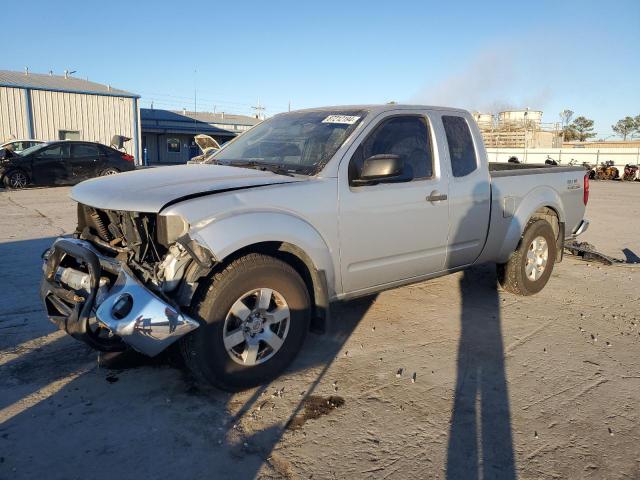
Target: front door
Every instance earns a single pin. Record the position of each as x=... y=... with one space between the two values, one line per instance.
x=86 y=161
x=51 y=165
x=396 y=231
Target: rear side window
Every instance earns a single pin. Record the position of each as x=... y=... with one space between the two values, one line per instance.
x=461 y=151
x=85 y=151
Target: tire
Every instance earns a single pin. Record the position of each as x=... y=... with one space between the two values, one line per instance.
x=524 y=277
x=204 y=349
x=16 y=179
x=109 y=171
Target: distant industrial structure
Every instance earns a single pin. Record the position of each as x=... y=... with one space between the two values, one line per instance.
x=63 y=107
x=227 y=121
x=518 y=129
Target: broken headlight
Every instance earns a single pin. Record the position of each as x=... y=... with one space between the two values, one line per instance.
x=170 y=228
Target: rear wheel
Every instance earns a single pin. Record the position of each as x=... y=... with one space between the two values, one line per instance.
x=109 y=171
x=16 y=179
x=530 y=266
x=255 y=315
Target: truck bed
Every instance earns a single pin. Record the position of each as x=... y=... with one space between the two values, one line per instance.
x=512 y=169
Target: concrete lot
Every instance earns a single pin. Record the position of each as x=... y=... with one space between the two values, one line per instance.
x=505 y=386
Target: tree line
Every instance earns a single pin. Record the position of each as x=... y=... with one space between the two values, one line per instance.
x=581 y=128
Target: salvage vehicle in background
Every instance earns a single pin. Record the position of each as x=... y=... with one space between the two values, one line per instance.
x=62 y=162
x=208 y=146
x=606 y=171
x=630 y=172
x=238 y=258
x=18 y=146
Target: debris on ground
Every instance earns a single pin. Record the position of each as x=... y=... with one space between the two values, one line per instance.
x=315 y=406
x=588 y=252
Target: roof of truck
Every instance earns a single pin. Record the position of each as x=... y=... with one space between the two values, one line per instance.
x=384 y=107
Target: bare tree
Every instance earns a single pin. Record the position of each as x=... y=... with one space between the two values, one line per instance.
x=565 y=117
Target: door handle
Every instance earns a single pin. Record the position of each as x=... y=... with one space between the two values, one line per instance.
x=436 y=196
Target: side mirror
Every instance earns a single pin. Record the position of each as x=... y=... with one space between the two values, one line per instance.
x=380 y=168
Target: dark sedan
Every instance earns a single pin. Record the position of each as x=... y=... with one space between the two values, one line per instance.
x=62 y=163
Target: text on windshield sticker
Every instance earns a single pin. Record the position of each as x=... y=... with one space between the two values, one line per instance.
x=345 y=119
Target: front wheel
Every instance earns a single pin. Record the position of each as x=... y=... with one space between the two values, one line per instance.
x=254 y=318
x=16 y=179
x=530 y=266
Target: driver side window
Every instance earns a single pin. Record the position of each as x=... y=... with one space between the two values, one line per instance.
x=406 y=136
x=56 y=151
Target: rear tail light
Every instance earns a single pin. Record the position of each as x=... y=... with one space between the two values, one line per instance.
x=585 y=197
x=127 y=157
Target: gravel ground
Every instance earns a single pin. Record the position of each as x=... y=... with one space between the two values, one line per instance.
x=448 y=378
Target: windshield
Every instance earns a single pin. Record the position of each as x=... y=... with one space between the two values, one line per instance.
x=298 y=142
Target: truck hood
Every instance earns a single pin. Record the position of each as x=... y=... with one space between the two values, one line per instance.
x=151 y=189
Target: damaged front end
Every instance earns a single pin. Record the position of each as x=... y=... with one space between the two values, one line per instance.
x=123 y=279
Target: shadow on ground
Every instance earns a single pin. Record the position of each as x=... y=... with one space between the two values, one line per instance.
x=63 y=414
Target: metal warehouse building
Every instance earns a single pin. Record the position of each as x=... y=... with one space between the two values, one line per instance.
x=55 y=107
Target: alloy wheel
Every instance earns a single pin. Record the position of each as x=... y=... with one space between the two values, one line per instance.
x=256 y=326
x=537 y=258
x=17 y=180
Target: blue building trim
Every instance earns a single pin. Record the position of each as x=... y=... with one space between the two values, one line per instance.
x=29 y=112
x=136 y=131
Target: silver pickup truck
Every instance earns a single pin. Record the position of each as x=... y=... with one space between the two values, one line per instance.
x=238 y=258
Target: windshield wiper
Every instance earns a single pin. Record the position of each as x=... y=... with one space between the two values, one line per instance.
x=269 y=167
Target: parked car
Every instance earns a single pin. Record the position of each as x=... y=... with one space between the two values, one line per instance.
x=235 y=259
x=62 y=163
x=20 y=145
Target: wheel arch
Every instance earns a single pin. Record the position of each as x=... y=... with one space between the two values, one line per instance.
x=314 y=279
x=12 y=169
x=542 y=203
x=282 y=236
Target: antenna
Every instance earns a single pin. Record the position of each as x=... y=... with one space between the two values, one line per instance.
x=26 y=70
x=259 y=110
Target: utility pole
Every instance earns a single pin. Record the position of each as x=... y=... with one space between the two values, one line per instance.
x=259 y=110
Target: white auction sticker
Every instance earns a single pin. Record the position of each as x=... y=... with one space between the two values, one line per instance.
x=346 y=119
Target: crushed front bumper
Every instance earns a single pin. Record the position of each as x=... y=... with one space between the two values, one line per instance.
x=131 y=313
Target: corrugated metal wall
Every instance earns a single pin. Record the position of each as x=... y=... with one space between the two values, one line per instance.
x=13 y=122
x=96 y=117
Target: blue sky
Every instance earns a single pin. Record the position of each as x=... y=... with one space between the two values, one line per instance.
x=545 y=55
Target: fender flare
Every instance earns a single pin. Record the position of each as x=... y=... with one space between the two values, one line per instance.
x=536 y=199
x=230 y=234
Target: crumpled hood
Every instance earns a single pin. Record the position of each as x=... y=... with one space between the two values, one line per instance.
x=150 y=189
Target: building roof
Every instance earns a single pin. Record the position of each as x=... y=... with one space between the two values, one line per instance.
x=58 y=83
x=225 y=118
x=166 y=121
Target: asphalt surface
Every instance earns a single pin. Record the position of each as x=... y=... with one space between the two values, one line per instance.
x=451 y=378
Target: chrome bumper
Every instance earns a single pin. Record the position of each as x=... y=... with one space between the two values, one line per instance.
x=130 y=311
x=582 y=227
x=150 y=325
